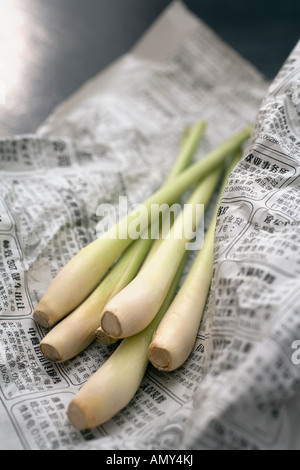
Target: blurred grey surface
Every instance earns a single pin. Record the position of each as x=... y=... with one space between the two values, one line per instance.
x=49 y=48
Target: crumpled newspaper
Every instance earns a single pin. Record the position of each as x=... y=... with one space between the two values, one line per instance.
x=118 y=136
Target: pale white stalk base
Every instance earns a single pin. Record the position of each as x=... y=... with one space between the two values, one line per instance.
x=77 y=279
x=76 y=331
x=112 y=387
x=135 y=306
x=176 y=334
x=81 y=275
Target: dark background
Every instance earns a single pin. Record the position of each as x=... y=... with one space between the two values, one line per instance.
x=49 y=48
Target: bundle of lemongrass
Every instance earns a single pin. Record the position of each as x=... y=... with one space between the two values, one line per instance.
x=135 y=300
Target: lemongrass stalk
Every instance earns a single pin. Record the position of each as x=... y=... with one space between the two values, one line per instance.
x=176 y=334
x=181 y=162
x=115 y=383
x=135 y=306
x=189 y=142
x=85 y=270
x=77 y=330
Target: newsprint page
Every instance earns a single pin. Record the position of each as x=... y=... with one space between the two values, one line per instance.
x=118 y=136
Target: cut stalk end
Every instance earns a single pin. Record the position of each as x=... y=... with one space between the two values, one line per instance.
x=42 y=318
x=104 y=338
x=49 y=352
x=160 y=358
x=110 y=324
x=77 y=417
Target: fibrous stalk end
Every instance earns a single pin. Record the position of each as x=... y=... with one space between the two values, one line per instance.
x=104 y=338
x=110 y=324
x=160 y=358
x=41 y=318
x=77 y=417
x=49 y=352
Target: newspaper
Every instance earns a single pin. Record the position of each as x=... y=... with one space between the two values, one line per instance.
x=118 y=135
